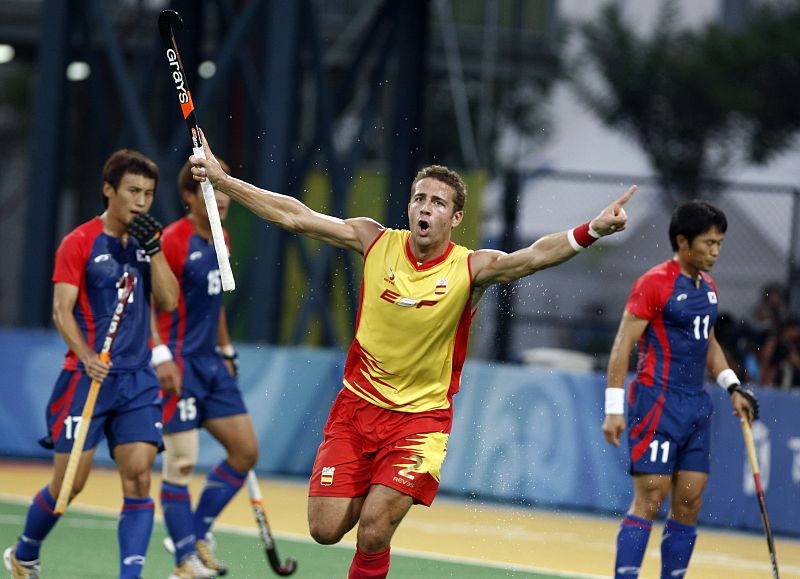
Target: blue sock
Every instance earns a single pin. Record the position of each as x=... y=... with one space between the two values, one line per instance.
x=40 y=520
x=221 y=485
x=631 y=544
x=177 y=506
x=133 y=533
x=677 y=544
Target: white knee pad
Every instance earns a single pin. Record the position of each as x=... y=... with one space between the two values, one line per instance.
x=180 y=456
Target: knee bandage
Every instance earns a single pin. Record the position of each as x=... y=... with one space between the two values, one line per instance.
x=180 y=457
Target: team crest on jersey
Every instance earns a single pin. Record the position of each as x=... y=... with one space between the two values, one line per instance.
x=390 y=276
x=404 y=302
x=142 y=256
x=441 y=287
x=326 y=478
x=712 y=297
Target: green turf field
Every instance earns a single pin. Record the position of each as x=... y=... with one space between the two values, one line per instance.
x=84 y=546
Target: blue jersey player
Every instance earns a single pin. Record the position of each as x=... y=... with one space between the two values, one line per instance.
x=89 y=262
x=670 y=313
x=194 y=359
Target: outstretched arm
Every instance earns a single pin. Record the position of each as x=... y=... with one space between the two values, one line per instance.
x=285 y=211
x=492 y=266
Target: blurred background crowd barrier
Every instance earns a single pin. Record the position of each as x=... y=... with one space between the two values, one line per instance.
x=521 y=436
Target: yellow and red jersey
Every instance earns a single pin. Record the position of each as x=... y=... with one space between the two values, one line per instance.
x=412 y=328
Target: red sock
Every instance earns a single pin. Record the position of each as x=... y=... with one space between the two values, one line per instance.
x=369 y=565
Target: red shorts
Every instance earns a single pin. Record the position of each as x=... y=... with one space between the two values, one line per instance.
x=366 y=445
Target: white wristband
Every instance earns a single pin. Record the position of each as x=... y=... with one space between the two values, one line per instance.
x=615 y=401
x=573 y=242
x=160 y=354
x=226 y=351
x=727 y=378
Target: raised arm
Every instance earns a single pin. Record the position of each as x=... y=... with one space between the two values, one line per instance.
x=492 y=266
x=285 y=211
x=630 y=330
x=166 y=291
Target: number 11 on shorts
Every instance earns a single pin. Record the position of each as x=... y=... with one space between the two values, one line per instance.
x=664 y=446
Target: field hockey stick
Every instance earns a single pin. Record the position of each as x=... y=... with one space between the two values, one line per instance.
x=762 y=501
x=167 y=21
x=256 y=502
x=126 y=283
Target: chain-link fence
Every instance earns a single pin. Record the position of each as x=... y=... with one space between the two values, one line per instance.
x=577 y=305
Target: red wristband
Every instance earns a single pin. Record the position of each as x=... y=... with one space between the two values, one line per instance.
x=582 y=236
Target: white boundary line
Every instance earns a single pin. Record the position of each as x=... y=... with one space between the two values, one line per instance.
x=349 y=545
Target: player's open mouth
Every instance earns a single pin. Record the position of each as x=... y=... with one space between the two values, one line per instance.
x=424 y=226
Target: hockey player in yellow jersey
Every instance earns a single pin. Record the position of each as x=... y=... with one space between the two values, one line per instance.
x=386 y=436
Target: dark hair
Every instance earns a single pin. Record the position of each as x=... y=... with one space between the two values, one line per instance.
x=446 y=176
x=128 y=161
x=695 y=218
x=187 y=183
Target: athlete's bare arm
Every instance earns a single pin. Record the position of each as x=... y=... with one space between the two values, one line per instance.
x=630 y=330
x=223 y=336
x=64 y=297
x=224 y=340
x=164 y=283
x=169 y=374
x=491 y=266
x=287 y=212
x=716 y=363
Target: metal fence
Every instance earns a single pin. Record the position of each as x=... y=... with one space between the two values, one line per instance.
x=577 y=305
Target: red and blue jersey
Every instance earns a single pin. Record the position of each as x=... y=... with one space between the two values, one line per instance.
x=192 y=329
x=94 y=261
x=682 y=313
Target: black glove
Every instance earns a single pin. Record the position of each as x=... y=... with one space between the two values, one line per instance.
x=147 y=231
x=749 y=395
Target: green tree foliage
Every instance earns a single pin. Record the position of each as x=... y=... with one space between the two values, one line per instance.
x=762 y=64
x=696 y=100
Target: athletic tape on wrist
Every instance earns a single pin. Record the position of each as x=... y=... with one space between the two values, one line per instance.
x=727 y=378
x=160 y=354
x=615 y=401
x=582 y=236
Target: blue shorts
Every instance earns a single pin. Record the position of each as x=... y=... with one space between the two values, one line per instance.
x=128 y=409
x=669 y=430
x=209 y=391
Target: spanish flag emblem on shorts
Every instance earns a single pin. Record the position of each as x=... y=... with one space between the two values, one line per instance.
x=326 y=478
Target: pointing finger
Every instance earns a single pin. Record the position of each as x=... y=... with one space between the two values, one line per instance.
x=624 y=199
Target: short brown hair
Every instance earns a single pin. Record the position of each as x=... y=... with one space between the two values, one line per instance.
x=187 y=183
x=446 y=176
x=128 y=161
